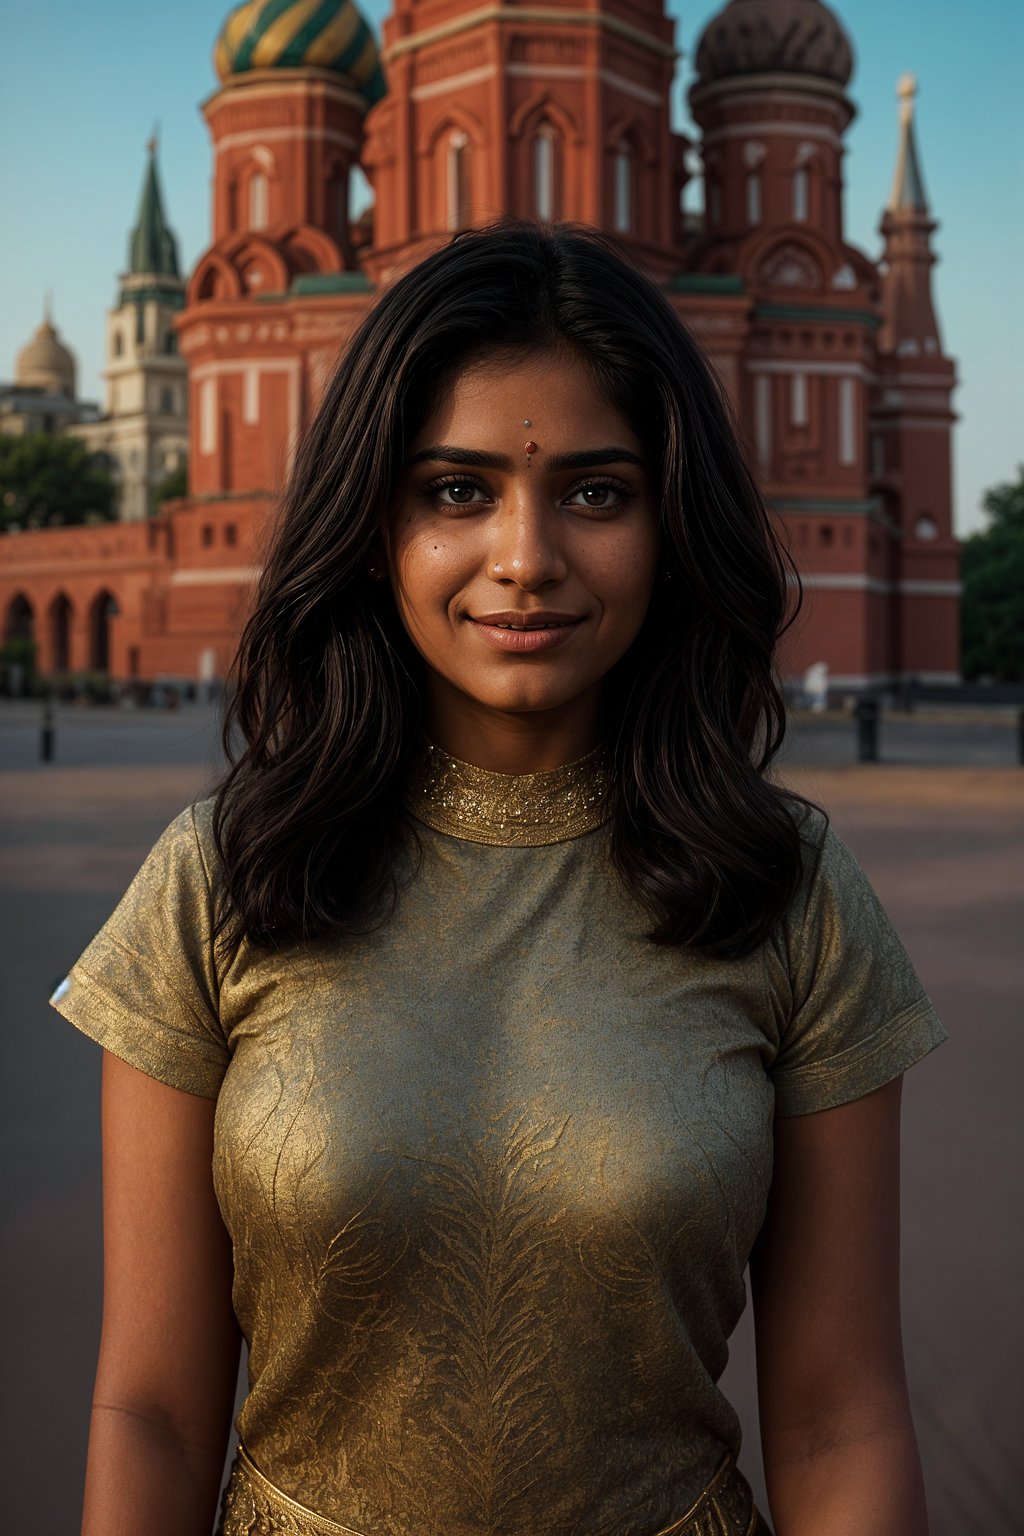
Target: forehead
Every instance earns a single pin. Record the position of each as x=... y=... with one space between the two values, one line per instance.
x=493 y=397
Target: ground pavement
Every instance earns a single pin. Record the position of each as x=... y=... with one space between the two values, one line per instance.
x=944 y=846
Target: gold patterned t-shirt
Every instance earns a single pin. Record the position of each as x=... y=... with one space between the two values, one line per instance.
x=493 y=1171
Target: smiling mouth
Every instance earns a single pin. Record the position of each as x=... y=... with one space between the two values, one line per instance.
x=504 y=621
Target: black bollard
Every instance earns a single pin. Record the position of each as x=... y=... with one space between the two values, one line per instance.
x=1020 y=738
x=46 y=740
x=866 y=713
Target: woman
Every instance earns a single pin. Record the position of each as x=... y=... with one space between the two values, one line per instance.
x=512 y=1004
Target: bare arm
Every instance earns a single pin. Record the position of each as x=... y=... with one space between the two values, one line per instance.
x=840 y=1454
x=170 y=1344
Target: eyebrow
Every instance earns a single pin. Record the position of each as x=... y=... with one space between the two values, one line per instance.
x=476 y=458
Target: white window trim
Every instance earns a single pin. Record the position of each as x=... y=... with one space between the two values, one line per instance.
x=458 y=144
x=798 y=412
x=753 y=197
x=259 y=200
x=847 y=420
x=544 y=172
x=208 y=416
x=801 y=194
x=623 y=219
x=763 y=417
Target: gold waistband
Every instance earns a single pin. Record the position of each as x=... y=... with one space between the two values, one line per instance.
x=253 y=1505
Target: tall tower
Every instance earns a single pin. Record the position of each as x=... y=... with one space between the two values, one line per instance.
x=911 y=423
x=143 y=432
x=279 y=289
x=771 y=101
x=552 y=111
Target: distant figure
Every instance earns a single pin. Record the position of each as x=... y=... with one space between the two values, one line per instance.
x=816 y=686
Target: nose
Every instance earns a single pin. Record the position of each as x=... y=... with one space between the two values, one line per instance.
x=526 y=547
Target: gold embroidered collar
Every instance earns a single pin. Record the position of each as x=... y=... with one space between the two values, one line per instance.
x=509 y=810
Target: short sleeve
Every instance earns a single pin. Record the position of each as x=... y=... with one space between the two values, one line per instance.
x=851 y=1011
x=146 y=986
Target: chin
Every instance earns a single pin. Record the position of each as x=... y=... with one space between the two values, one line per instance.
x=521 y=699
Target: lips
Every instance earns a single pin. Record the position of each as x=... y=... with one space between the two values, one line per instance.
x=526 y=633
x=536 y=619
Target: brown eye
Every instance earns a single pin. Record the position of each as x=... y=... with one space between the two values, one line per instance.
x=454 y=491
x=460 y=493
x=601 y=495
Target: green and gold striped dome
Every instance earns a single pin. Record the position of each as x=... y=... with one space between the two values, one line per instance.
x=287 y=34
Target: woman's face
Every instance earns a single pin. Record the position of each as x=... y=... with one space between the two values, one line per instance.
x=522 y=578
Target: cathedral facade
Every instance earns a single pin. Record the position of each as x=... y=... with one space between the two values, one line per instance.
x=463 y=113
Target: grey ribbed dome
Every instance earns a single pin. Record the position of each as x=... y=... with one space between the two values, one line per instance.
x=761 y=37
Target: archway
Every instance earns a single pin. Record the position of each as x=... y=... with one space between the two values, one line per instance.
x=21 y=619
x=60 y=632
x=102 y=609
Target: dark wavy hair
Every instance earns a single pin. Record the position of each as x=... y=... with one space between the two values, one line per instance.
x=326 y=688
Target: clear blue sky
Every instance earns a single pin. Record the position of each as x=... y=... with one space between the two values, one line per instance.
x=81 y=87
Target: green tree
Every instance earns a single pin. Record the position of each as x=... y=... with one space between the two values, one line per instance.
x=171 y=486
x=48 y=481
x=992 y=611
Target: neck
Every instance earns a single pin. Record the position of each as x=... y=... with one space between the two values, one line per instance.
x=507 y=741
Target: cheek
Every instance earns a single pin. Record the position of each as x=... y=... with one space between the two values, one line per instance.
x=622 y=574
x=430 y=569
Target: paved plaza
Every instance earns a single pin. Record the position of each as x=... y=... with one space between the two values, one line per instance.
x=939 y=827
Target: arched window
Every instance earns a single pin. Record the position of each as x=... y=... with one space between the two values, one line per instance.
x=801 y=187
x=102 y=610
x=259 y=201
x=544 y=172
x=230 y=534
x=208 y=416
x=170 y=344
x=848 y=427
x=60 y=631
x=623 y=186
x=20 y=619
x=753 y=159
x=167 y=402
x=798 y=400
x=118 y=344
x=753 y=197
x=207 y=535
x=458 y=180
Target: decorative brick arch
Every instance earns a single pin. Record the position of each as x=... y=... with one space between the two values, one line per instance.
x=306 y=249
x=260 y=265
x=214 y=279
x=435 y=191
x=542 y=105
x=789 y=259
x=260 y=161
x=630 y=127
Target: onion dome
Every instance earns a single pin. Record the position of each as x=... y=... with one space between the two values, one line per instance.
x=770 y=37
x=292 y=34
x=46 y=364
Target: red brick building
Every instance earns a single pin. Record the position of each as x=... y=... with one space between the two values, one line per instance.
x=550 y=111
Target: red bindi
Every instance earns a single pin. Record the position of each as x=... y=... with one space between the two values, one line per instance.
x=531 y=447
